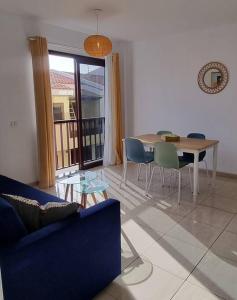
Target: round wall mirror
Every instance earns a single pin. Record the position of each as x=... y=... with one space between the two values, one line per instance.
x=213 y=77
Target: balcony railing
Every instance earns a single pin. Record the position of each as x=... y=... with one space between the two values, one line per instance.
x=66 y=141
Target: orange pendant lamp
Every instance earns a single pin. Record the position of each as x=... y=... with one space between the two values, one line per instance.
x=97 y=45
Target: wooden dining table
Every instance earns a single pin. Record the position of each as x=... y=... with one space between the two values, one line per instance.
x=189 y=145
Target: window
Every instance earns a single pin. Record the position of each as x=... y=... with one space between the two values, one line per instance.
x=58 y=111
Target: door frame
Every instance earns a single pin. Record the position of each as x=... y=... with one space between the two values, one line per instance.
x=80 y=59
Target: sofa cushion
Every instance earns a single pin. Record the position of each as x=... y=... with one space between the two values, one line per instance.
x=27 y=209
x=35 y=216
x=11 y=226
x=54 y=211
x=13 y=187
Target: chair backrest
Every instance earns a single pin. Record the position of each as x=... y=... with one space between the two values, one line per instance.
x=160 y=132
x=166 y=155
x=135 y=151
x=190 y=156
x=196 y=135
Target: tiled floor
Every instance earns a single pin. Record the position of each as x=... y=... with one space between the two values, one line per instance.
x=186 y=252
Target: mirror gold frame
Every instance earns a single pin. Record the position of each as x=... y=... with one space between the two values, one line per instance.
x=224 y=77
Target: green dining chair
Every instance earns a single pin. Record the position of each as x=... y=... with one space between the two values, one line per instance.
x=166 y=157
x=160 y=132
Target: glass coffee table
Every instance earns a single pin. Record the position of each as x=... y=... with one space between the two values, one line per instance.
x=85 y=183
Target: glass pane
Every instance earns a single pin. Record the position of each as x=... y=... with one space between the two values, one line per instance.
x=63 y=97
x=92 y=107
x=92 y=91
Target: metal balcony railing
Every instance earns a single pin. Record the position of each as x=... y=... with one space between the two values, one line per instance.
x=67 y=145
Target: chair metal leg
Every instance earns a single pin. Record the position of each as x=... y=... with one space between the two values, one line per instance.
x=149 y=169
x=170 y=178
x=208 y=178
x=121 y=180
x=152 y=173
x=124 y=175
x=147 y=175
x=139 y=171
x=160 y=173
x=163 y=176
x=180 y=182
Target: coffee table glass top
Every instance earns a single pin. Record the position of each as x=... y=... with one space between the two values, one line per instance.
x=90 y=187
x=78 y=178
x=85 y=182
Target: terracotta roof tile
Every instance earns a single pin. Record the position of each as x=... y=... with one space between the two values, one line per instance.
x=61 y=80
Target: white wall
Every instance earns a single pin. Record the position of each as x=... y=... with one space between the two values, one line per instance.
x=18 y=145
x=167 y=96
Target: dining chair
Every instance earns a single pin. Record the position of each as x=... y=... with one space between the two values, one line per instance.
x=189 y=157
x=166 y=156
x=160 y=132
x=135 y=153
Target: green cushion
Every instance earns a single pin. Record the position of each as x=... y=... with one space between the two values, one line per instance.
x=35 y=216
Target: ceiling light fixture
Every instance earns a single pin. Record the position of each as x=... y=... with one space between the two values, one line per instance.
x=98 y=45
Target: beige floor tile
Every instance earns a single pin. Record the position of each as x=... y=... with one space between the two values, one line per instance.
x=172 y=238
x=128 y=252
x=143 y=281
x=232 y=227
x=127 y=257
x=174 y=256
x=191 y=292
x=216 y=201
x=169 y=205
x=225 y=187
x=216 y=274
x=194 y=233
x=156 y=219
x=103 y=296
x=226 y=246
x=210 y=216
x=136 y=236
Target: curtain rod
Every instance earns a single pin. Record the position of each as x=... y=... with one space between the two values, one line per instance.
x=64 y=46
x=33 y=38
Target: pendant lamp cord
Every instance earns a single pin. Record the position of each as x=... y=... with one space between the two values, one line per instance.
x=97 y=21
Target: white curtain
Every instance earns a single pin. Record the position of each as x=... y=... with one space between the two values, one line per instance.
x=109 y=154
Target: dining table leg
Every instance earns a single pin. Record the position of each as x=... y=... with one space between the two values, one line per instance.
x=214 y=168
x=195 y=175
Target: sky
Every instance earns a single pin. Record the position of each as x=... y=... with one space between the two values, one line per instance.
x=66 y=64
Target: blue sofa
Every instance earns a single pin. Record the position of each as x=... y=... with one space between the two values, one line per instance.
x=72 y=259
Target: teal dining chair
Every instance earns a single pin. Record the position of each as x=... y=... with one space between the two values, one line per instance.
x=135 y=153
x=166 y=157
x=160 y=132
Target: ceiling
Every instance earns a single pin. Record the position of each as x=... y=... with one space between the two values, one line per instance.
x=128 y=19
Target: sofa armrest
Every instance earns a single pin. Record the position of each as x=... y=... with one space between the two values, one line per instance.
x=73 y=259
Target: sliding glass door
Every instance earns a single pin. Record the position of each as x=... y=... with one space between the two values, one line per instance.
x=77 y=85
